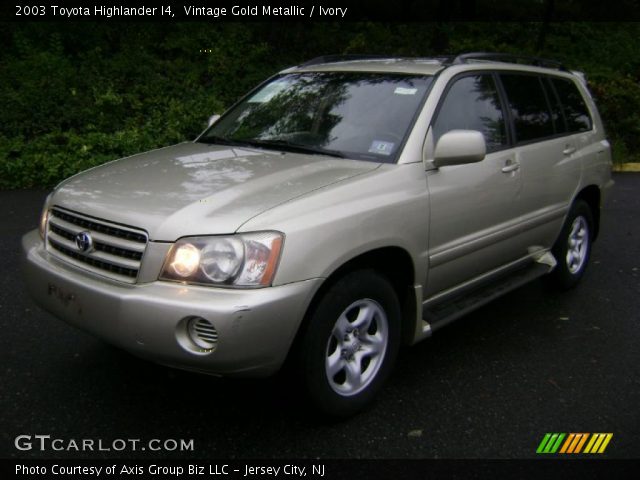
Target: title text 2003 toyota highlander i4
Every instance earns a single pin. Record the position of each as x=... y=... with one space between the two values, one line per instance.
x=341 y=209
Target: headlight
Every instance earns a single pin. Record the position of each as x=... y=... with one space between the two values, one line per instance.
x=44 y=216
x=222 y=259
x=186 y=260
x=243 y=260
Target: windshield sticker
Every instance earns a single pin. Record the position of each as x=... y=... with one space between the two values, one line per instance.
x=270 y=91
x=405 y=91
x=381 y=148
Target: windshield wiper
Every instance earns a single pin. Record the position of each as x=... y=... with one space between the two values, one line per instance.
x=271 y=144
x=292 y=147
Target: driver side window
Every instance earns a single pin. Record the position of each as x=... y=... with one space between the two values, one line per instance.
x=473 y=103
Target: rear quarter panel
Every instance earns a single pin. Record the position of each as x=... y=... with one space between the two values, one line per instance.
x=597 y=161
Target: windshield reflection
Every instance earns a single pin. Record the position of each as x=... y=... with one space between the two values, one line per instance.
x=359 y=115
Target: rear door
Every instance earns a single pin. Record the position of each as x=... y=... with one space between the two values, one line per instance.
x=546 y=154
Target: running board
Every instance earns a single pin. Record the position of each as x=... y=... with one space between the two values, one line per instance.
x=447 y=310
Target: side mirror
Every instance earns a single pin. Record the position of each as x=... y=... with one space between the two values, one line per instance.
x=458 y=147
x=213 y=119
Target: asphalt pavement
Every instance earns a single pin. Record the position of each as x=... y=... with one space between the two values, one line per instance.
x=489 y=386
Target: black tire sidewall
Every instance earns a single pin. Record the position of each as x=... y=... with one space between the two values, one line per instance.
x=350 y=288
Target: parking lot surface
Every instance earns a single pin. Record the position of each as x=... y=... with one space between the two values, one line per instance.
x=489 y=386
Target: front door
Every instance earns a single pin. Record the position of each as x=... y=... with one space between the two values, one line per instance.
x=472 y=207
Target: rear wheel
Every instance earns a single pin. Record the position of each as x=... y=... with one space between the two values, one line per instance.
x=351 y=342
x=573 y=247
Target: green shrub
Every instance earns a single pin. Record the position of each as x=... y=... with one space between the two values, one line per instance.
x=618 y=99
x=85 y=94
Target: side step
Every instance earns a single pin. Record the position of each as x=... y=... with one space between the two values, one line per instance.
x=445 y=311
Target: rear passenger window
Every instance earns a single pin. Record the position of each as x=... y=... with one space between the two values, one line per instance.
x=556 y=107
x=575 y=110
x=529 y=107
x=473 y=103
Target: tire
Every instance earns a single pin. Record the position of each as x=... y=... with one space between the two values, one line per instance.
x=350 y=344
x=573 y=247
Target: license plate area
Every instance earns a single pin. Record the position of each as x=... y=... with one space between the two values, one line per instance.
x=64 y=298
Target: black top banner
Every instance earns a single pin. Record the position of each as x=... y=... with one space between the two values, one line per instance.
x=319 y=11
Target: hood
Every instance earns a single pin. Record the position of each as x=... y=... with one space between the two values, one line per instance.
x=197 y=189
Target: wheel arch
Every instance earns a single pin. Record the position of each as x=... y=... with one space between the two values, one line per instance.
x=396 y=265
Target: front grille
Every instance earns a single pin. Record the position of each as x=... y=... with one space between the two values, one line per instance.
x=116 y=251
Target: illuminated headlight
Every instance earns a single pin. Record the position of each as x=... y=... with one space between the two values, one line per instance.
x=186 y=260
x=243 y=260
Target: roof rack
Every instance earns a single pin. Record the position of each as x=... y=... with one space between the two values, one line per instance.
x=342 y=58
x=447 y=60
x=508 y=58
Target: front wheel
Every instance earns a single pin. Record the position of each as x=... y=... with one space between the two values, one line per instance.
x=351 y=342
x=573 y=247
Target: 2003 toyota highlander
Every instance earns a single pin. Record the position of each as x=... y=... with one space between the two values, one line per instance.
x=341 y=209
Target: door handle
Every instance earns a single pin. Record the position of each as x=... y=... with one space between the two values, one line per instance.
x=568 y=150
x=510 y=166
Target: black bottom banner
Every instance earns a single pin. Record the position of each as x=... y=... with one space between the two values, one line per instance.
x=319 y=469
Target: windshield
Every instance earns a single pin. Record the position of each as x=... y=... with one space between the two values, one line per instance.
x=359 y=115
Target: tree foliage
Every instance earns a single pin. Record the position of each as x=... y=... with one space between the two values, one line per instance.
x=78 y=95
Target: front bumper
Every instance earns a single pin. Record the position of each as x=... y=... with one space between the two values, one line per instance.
x=256 y=327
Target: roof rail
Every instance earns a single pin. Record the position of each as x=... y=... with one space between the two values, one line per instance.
x=508 y=58
x=342 y=58
x=447 y=60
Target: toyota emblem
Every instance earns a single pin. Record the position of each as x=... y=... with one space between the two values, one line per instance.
x=84 y=242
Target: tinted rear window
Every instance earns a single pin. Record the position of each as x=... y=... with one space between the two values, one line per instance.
x=575 y=110
x=556 y=107
x=529 y=107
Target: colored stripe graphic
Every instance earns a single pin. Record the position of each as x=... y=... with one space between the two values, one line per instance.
x=578 y=443
x=567 y=443
x=543 y=443
x=598 y=442
x=554 y=449
x=574 y=443
x=550 y=443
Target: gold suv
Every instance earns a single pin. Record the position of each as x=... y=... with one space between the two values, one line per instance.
x=344 y=207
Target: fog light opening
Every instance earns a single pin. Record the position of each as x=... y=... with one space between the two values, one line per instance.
x=202 y=333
